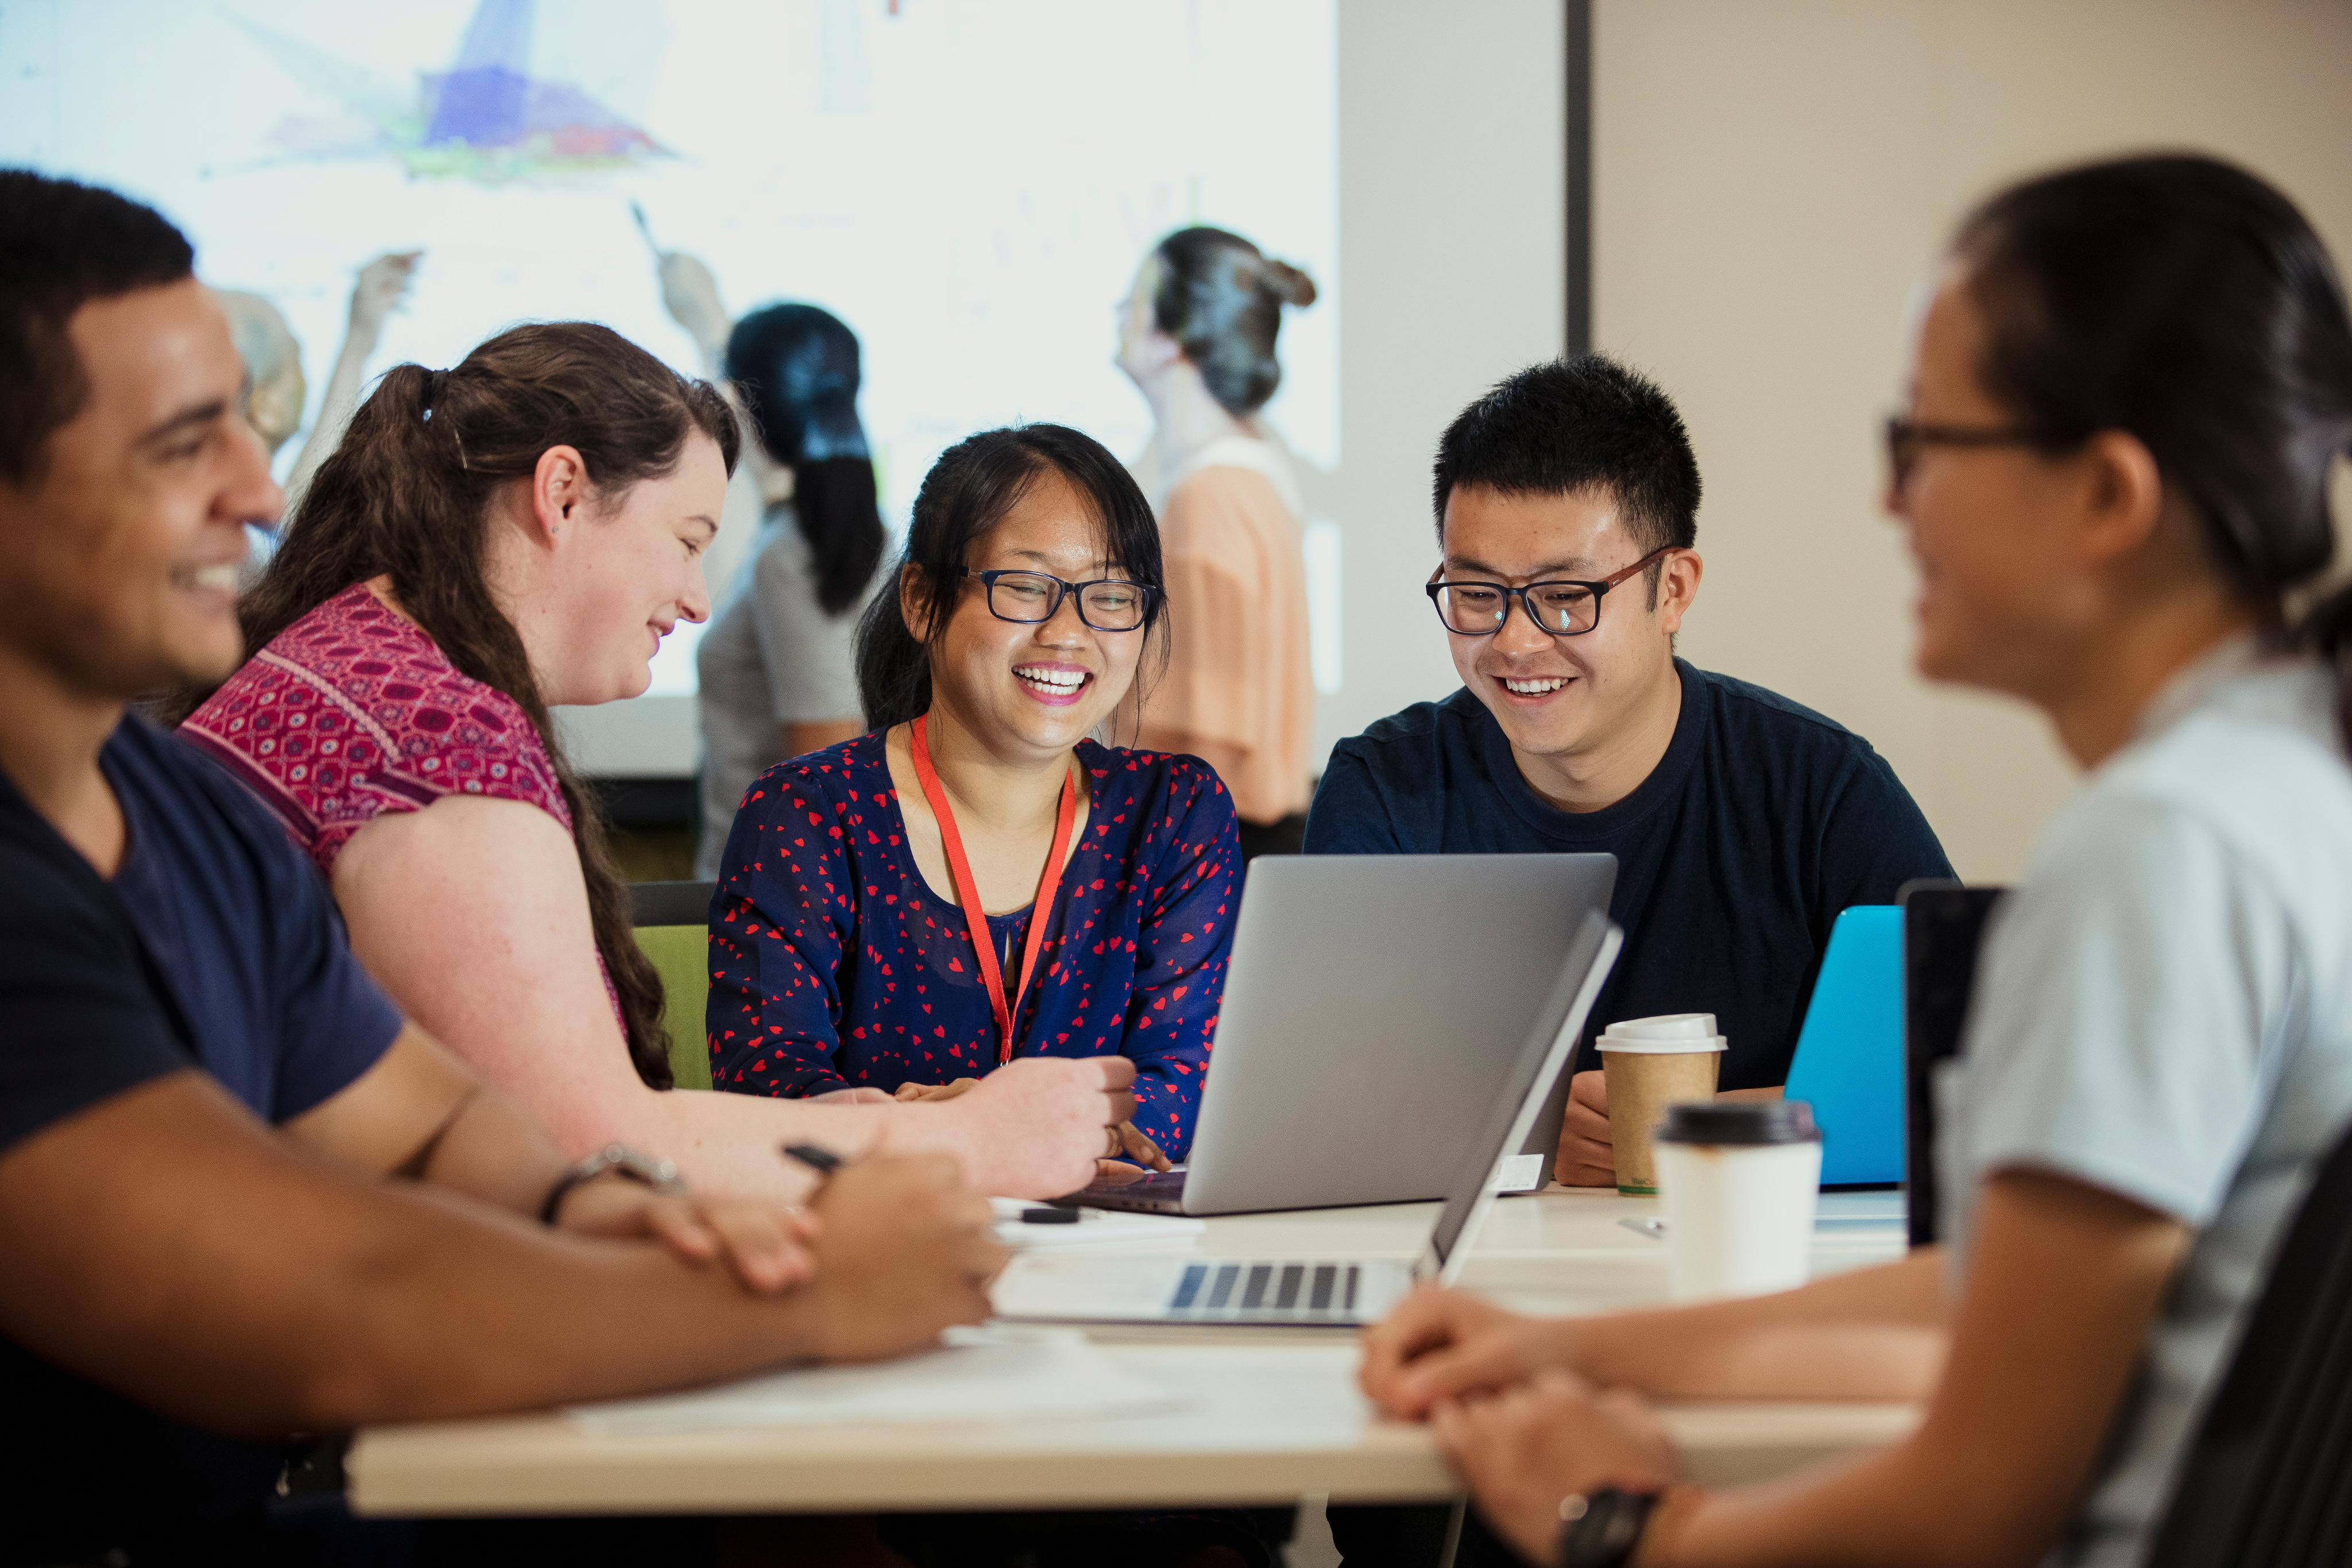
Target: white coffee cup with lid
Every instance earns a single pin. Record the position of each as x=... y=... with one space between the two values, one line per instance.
x=1737 y=1183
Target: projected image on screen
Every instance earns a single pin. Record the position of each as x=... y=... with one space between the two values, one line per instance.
x=969 y=184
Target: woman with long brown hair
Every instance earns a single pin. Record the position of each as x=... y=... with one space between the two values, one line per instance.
x=516 y=533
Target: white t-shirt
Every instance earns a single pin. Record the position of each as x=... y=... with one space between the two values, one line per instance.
x=771 y=657
x=2164 y=1010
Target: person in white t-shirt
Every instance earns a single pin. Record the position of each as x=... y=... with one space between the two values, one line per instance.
x=2129 y=387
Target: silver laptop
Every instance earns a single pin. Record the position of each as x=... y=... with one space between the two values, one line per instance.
x=1066 y=1288
x=1374 y=1003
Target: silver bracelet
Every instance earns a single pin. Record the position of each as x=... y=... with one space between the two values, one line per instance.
x=648 y=1170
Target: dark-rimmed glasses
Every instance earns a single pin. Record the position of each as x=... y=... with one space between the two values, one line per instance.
x=1027 y=598
x=1907 y=438
x=1562 y=607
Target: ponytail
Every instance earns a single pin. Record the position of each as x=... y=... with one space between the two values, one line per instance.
x=834 y=500
x=2325 y=632
x=894 y=669
x=408 y=494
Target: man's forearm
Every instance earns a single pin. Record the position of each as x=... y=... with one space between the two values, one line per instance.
x=350 y=1299
x=494 y=1151
x=449 y=1312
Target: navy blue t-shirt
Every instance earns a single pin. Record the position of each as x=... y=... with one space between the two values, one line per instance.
x=217 y=946
x=1763 y=822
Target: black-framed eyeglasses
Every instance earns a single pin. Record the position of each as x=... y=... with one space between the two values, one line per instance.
x=1562 y=607
x=1027 y=598
x=1905 y=439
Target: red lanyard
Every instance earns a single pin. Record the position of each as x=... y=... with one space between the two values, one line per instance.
x=968 y=891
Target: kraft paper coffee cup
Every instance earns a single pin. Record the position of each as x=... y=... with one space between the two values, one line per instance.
x=1653 y=1063
x=1738 y=1180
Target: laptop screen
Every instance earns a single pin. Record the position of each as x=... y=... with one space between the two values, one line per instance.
x=1554 y=1034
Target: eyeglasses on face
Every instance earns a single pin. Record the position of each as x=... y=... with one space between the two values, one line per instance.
x=1028 y=598
x=1562 y=607
x=1907 y=438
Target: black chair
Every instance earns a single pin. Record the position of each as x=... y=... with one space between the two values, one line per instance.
x=669 y=902
x=2267 y=1483
x=1943 y=927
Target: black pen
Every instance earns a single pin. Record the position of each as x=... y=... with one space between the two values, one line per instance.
x=823 y=1161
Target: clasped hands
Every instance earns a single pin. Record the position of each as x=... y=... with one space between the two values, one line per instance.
x=1520 y=1426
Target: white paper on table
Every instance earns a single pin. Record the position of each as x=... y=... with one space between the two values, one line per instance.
x=992 y=1372
x=1093 y=1228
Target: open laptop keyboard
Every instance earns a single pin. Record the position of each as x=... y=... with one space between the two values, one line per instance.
x=1210 y=1290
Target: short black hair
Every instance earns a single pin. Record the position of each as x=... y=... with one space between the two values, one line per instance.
x=1574 y=424
x=63 y=244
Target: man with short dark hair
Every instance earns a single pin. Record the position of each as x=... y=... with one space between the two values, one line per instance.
x=217 y=1134
x=1566 y=504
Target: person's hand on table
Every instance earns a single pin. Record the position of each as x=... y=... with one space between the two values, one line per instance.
x=1035 y=1126
x=1587 y=1157
x=1130 y=1142
x=907 y=1248
x=864 y=1094
x=1525 y=1451
x=1441 y=1344
x=953 y=1089
x=768 y=1248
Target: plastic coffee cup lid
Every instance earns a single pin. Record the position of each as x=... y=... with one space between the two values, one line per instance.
x=1749 y=1122
x=1668 y=1034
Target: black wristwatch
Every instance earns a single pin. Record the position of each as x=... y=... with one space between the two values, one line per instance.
x=620 y=1160
x=1603 y=1527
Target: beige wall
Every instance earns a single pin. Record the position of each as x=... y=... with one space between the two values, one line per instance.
x=1769 y=180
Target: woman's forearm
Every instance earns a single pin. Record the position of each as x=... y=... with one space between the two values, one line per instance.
x=731 y=1144
x=1872 y=1333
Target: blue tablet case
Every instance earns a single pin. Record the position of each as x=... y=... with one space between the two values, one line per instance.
x=1849 y=1060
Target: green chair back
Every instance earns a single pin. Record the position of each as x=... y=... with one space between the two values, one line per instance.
x=669 y=918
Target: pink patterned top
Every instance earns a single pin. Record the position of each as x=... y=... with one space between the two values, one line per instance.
x=353 y=711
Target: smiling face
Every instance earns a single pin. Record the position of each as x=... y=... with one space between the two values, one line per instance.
x=117 y=571
x=617 y=577
x=1992 y=529
x=1031 y=688
x=1564 y=696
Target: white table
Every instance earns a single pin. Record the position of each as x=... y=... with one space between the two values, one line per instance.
x=1271 y=1414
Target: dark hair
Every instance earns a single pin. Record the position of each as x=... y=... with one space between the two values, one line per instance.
x=967 y=492
x=408 y=494
x=63 y=244
x=1577 y=425
x=2188 y=303
x=796 y=366
x=1220 y=298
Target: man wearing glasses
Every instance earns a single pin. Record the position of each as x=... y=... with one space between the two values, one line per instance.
x=1567 y=505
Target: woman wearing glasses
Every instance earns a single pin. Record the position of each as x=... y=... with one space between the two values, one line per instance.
x=976 y=879
x=2128 y=391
